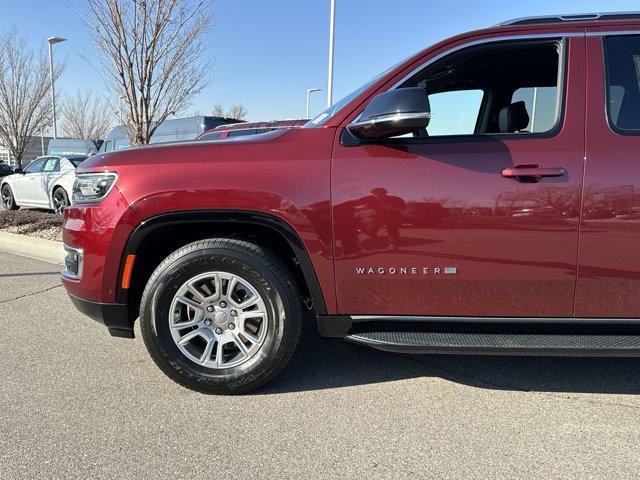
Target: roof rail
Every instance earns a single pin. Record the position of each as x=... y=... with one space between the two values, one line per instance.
x=581 y=17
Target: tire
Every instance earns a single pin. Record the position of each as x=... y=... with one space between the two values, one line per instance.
x=214 y=262
x=59 y=200
x=8 y=200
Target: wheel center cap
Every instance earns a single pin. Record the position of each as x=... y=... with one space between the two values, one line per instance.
x=221 y=318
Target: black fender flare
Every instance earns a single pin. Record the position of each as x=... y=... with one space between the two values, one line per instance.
x=281 y=227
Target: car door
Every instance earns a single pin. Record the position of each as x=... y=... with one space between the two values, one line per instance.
x=24 y=186
x=437 y=225
x=609 y=268
x=50 y=173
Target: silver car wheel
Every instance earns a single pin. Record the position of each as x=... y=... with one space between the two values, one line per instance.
x=218 y=320
x=60 y=201
x=7 y=198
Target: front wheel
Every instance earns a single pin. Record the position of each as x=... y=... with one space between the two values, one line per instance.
x=221 y=316
x=8 y=200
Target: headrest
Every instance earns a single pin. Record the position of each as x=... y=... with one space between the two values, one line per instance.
x=513 y=118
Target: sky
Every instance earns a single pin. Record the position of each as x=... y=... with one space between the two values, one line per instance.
x=266 y=53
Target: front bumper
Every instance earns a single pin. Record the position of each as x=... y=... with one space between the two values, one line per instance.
x=115 y=316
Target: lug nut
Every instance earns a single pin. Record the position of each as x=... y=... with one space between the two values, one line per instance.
x=209 y=308
x=232 y=326
x=207 y=322
x=223 y=304
x=218 y=330
x=233 y=313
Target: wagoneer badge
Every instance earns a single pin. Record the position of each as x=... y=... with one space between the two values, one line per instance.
x=407 y=270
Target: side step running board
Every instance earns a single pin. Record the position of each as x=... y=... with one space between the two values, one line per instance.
x=500 y=343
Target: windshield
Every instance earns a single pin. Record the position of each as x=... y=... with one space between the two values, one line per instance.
x=336 y=107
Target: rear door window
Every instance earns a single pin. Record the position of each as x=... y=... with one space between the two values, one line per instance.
x=51 y=165
x=622 y=67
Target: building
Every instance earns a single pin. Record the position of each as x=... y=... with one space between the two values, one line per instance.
x=37 y=147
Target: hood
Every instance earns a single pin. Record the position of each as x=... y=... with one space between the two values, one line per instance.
x=11 y=177
x=181 y=152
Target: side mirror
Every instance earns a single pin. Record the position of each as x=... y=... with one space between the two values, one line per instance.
x=392 y=113
x=18 y=170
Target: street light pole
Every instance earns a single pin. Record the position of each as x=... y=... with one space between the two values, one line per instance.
x=51 y=41
x=309 y=92
x=331 y=35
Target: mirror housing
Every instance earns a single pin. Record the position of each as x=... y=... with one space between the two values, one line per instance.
x=392 y=113
x=18 y=170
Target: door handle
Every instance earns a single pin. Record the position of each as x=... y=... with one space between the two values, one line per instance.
x=532 y=173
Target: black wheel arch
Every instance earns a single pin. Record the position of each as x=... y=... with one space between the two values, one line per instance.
x=175 y=229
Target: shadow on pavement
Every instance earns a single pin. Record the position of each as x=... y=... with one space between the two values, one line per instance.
x=332 y=363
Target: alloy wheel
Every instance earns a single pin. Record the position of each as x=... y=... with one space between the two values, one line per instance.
x=7 y=198
x=60 y=201
x=218 y=320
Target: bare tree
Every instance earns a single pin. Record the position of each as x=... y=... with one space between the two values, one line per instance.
x=238 y=112
x=152 y=53
x=25 y=89
x=218 y=111
x=85 y=116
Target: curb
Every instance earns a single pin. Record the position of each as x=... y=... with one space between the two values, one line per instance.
x=32 y=247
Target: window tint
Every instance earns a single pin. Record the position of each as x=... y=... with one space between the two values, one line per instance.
x=51 y=164
x=454 y=113
x=36 y=166
x=622 y=64
x=541 y=107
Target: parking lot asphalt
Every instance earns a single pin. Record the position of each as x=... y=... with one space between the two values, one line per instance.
x=76 y=403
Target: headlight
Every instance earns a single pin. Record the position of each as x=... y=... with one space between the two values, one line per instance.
x=92 y=187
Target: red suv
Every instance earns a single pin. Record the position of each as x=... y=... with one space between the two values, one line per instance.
x=481 y=197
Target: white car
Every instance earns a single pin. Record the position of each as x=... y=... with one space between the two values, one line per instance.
x=46 y=183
